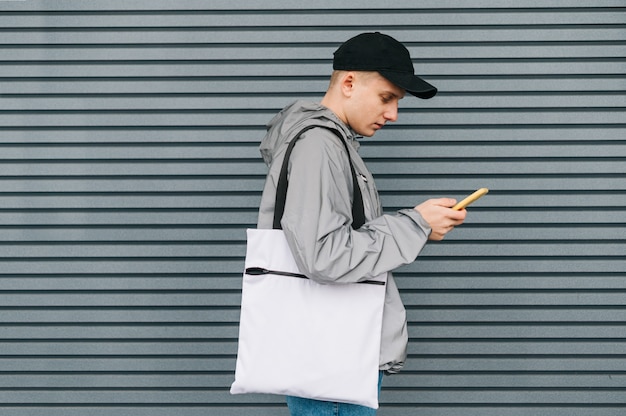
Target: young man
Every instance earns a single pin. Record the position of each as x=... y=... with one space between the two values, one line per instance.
x=372 y=72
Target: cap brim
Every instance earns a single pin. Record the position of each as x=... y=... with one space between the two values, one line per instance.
x=411 y=83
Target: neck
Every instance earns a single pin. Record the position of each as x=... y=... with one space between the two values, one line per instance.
x=333 y=105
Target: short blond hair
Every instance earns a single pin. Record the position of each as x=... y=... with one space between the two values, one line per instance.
x=338 y=73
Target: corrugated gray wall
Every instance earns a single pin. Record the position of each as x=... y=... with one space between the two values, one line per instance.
x=129 y=171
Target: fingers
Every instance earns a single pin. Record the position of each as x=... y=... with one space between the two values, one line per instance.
x=439 y=215
x=443 y=202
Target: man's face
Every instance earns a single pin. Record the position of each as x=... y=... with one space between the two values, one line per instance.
x=373 y=101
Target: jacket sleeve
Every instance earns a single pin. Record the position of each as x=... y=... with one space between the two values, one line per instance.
x=318 y=215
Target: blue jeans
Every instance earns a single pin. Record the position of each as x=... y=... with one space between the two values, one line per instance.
x=309 y=407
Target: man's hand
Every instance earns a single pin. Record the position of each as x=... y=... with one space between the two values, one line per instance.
x=439 y=215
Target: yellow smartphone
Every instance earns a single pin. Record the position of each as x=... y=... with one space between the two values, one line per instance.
x=473 y=197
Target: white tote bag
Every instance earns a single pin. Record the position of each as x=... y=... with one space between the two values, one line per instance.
x=305 y=339
x=301 y=338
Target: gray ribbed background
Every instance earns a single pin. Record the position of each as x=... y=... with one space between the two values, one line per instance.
x=129 y=172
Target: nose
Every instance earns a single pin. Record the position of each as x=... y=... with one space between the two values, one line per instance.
x=391 y=114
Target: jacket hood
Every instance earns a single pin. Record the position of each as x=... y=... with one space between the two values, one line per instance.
x=297 y=115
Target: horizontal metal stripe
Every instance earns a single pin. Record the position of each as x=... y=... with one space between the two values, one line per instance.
x=270 y=407
x=451 y=333
x=442 y=298
x=164 y=283
x=155 y=300
x=156 y=365
x=170 y=363
x=486 y=103
x=571 y=317
x=310 y=52
x=302 y=37
x=488 y=397
x=567 y=315
x=472 y=283
x=178 y=332
x=499 y=380
x=183 y=175
x=260 y=5
x=554 y=264
x=85 y=381
x=568 y=194
x=561 y=185
x=283 y=68
x=499 y=166
x=506 y=118
x=251 y=136
x=278 y=405
x=525 y=200
x=124 y=398
x=298 y=17
x=526 y=333
x=177 y=398
x=321 y=34
x=275 y=405
x=142 y=217
x=425 y=151
x=201 y=232
x=515 y=365
x=513 y=298
x=163 y=250
x=121 y=233
x=397 y=381
x=486 y=409
x=537 y=216
x=484 y=161
x=123 y=266
x=512 y=85
x=537 y=397
x=276 y=17
x=503 y=281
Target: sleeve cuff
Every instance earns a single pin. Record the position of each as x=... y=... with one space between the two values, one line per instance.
x=419 y=221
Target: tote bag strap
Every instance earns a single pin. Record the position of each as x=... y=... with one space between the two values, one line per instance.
x=358 y=212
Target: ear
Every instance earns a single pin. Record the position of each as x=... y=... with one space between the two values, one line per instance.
x=347 y=83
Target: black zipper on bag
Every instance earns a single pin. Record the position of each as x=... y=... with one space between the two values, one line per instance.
x=258 y=271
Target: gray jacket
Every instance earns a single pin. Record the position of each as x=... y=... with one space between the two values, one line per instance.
x=318 y=215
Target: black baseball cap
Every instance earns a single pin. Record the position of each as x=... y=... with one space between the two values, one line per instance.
x=379 y=52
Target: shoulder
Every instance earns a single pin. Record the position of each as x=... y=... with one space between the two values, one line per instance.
x=318 y=148
x=319 y=156
x=321 y=139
